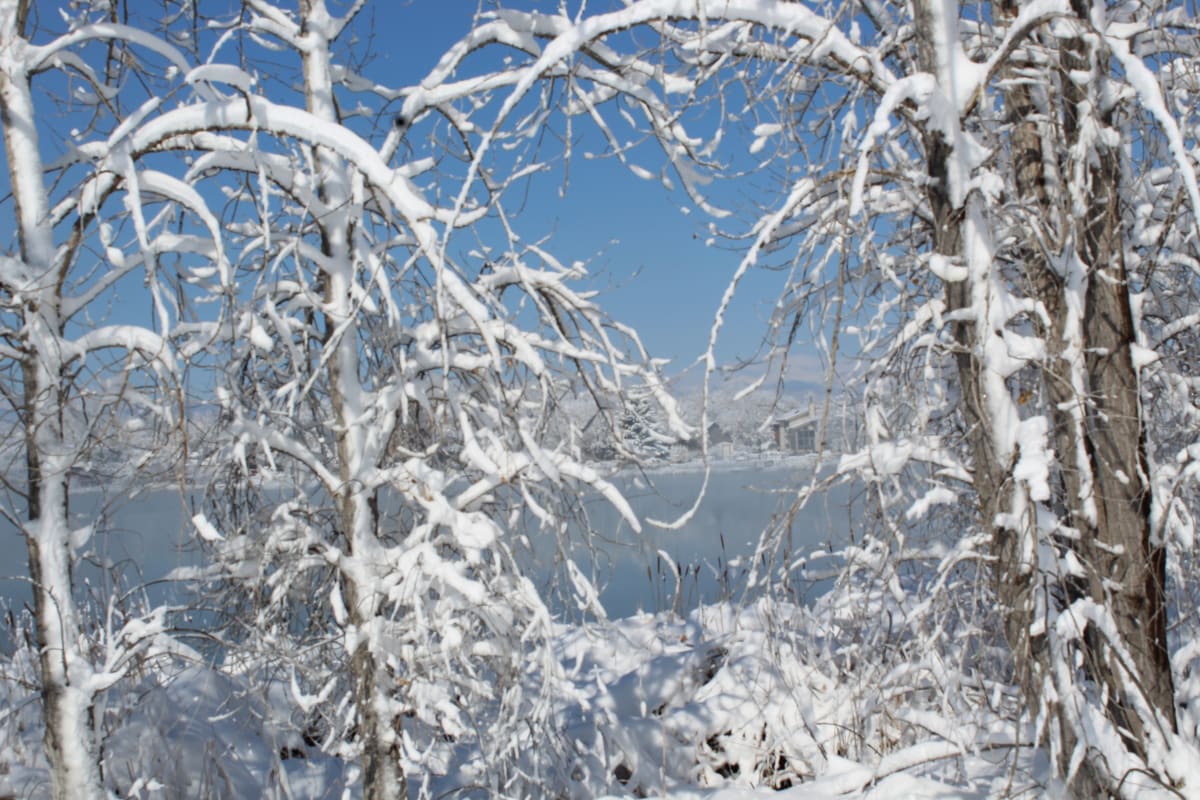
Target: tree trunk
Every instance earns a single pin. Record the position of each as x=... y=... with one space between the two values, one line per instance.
x=1091 y=393
x=64 y=669
x=1091 y=382
x=1127 y=568
x=379 y=729
x=1014 y=577
x=67 y=700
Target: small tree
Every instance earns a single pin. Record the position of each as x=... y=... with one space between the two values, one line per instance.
x=101 y=218
x=389 y=395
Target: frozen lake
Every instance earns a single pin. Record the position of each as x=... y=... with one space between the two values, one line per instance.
x=147 y=538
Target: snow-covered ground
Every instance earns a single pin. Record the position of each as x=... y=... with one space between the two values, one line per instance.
x=843 y=696
x=723 y=703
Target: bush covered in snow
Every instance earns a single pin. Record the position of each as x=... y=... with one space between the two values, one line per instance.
x=851 y=693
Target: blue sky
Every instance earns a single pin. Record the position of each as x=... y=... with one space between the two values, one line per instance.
x=646 y=254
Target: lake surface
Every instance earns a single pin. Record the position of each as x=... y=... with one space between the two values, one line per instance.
x=716 y=545
x=147 y=536
x=144 y=539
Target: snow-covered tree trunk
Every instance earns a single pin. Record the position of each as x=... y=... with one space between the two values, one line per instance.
x=379 y=721
x=1015 y=576
x=66 y=673
x=84 y=224
x=1091 y=384
x=1091 y=378
x=1124 y=557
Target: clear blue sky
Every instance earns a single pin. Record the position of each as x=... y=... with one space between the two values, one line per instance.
x=648 y=256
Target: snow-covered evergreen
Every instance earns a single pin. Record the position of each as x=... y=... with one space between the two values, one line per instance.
x=640 y=433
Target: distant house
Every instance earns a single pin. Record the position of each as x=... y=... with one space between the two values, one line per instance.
x=718 y=435
x=720 y=442
x=797 y=432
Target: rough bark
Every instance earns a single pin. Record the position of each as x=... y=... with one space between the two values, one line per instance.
x=1090 y=386
x=1127 y=568
x=1093 y=395
x=1057 y=383
x=1014 y=581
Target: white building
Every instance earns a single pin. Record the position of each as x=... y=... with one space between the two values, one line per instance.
x=797 y=432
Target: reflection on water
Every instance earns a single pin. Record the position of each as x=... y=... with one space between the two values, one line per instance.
x=146 y=537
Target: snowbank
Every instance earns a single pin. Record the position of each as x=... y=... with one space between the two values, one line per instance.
x=772 y=700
